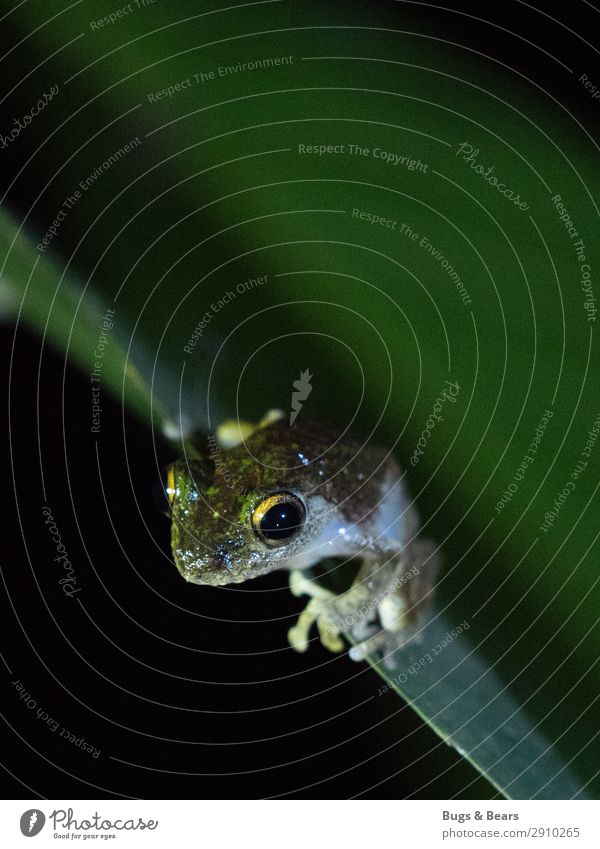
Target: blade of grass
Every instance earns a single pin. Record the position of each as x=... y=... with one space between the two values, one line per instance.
x=472 y=709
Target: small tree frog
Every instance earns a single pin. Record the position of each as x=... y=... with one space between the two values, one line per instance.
x=281 y=497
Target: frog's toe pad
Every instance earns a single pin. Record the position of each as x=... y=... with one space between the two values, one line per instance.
x=328 y=634
x=298 y=638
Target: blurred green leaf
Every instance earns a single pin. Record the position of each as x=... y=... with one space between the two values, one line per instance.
x=69 y=318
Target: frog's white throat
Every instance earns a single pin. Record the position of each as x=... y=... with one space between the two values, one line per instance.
x=384 y=529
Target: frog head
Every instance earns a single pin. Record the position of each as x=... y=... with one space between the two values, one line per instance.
x=260 y=506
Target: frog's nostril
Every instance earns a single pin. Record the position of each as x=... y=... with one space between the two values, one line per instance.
x=221 y=558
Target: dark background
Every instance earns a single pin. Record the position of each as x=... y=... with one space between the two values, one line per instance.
x=271 y=721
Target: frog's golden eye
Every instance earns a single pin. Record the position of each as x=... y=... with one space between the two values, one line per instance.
x=278 y=518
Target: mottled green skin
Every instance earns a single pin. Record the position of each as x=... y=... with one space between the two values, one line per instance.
x=340 y=484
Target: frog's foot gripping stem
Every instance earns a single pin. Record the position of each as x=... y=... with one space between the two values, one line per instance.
x=369 y=637
x=393 y=629
x=316 y=611
x=333 y=615
x=405 y=605
x=380 y=613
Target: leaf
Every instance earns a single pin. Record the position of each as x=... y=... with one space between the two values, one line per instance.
x=265 y=261
x=69 y=317
x=446 y=681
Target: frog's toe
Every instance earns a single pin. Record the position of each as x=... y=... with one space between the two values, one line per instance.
x=298 y=633
x=232 y=432
x=369 y=646
x=329 y=635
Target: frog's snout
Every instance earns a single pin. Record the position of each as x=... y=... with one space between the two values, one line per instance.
x=224 y=557
x=226 y=564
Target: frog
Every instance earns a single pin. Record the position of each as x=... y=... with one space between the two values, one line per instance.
x=258 y=498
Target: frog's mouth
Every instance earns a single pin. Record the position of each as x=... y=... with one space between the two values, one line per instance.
x=219 y=571
x=226 y=567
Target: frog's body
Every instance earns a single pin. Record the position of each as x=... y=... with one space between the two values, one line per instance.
x=347 y=500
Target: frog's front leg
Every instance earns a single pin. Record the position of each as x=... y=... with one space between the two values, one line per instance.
x=317 y=611
x=335 y=614
x=402 y=604
x=380 y=611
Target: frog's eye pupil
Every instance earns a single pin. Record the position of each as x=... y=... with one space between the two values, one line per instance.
x=280 y=522
x=278 y=518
